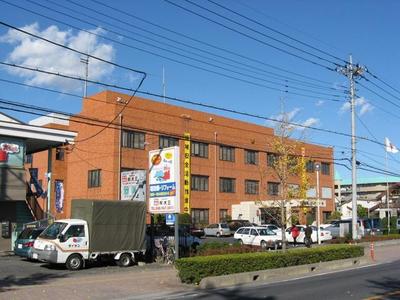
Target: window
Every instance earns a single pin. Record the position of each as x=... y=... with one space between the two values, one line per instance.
x=227 y=185
x=226 y=153
x=251 y=187
x=199 y=149
x=271 y=159
x=75 y=231
x=60 y=154
x=325 y=168
x=253 y=232
x=94 y=178
x=166 y=141
x=312 y=192
x=326 y=192
x=223 y=213
x=250 y=157
x=199 y=216
x=310 y=166
x=132 y=139
x=199 y=183
x=28 y=158
x=273 y=188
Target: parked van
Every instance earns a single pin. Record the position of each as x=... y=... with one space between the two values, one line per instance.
x=340 y=228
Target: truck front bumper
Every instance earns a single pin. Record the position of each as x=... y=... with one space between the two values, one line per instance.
x=45 y=255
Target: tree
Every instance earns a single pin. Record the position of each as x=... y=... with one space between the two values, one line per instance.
x=335 y=215
x=287 y=163
x=362 y=212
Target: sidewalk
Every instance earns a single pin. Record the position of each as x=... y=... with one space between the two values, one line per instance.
x=149 y=281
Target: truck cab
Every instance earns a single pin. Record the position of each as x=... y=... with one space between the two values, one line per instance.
x=64 y=241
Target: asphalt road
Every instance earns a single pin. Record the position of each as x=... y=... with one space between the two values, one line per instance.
x=374 y=282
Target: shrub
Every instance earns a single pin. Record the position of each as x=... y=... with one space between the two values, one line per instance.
x=368 y=238
x=193 y=269
x=217 y=248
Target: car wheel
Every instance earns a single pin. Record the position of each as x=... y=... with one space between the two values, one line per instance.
x=264 y=245
x=124 y=260
x=74 y=262
x=218 y=234
x=240 y=242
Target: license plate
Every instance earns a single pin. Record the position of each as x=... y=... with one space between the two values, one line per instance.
x=19 y=246
x=34 y=256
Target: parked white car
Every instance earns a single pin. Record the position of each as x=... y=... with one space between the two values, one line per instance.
x=219 y=229
x=273 y=228
x=258 y=236
x=325 y=235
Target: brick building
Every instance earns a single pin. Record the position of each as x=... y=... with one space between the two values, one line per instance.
x=230 y=169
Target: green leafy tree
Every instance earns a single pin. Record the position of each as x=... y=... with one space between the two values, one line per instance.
x=362 y=212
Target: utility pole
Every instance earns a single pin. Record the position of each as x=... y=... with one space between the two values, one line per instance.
x=352 y=71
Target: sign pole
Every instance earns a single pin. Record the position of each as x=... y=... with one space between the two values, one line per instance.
x=176 y=236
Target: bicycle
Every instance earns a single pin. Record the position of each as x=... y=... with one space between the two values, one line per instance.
x=164 y=252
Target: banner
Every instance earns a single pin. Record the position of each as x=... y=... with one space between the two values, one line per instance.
x=59 y=195
x=164 y=181
x=133 y=185
x=186 y=173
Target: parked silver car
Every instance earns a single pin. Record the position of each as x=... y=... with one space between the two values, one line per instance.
x=219 y=229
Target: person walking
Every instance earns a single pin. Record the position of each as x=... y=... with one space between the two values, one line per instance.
x=307 y=234
x=295 y=233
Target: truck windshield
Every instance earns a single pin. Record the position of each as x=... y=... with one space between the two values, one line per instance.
x=53 y=230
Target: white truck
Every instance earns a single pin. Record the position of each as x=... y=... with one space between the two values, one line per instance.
x=99 y=228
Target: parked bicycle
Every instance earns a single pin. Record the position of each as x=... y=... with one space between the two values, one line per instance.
x=164 y=251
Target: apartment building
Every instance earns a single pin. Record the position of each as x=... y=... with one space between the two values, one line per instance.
x=230 y=165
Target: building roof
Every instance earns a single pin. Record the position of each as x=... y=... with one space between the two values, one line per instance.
x=371 y=180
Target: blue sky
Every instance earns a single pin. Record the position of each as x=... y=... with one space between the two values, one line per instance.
x=365 y=28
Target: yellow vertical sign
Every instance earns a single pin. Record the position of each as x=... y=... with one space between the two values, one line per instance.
x=186 y=173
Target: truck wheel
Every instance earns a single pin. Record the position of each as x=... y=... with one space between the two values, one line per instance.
x=74 y=262
x=124 y=260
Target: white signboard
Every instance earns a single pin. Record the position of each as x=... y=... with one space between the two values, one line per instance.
x=133 y=185
x=164 y=181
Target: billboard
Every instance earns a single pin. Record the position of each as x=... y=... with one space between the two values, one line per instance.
x=12 y=153
x=186 y=173
x=164 y=181
x=133 y=185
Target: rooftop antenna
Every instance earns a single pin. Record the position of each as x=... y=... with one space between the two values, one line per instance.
x=163 y=82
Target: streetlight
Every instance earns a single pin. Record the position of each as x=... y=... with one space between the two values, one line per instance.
x=317 y=167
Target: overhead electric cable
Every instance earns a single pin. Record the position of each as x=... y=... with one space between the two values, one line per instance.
x=250 y=37
x=277 y=31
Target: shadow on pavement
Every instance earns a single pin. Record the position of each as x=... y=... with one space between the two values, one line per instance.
x=11 y=283
x=231 y=294
x=389 y=286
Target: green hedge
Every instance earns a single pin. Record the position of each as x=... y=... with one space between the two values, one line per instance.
x=193 y=269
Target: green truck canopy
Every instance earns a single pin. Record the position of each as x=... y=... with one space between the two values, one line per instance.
x=113 y=225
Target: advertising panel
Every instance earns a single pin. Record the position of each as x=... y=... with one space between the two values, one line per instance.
x=133 y=185
x=164 y=181
x=186 y=173
x=11 y=153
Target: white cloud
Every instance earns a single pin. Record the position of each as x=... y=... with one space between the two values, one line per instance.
x=33 y=52
x=309 y=122
x=290 y=116
x=363 y=105
x=319 y=103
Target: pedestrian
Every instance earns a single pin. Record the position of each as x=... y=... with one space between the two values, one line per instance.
x=307 y=234
x=295 y=233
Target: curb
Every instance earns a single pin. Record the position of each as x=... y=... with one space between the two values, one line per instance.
x=273 y=275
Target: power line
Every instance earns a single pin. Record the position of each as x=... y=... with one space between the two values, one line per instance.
x=248 y=36
x=136 y=17
x=274 y=75
x=201 y=104
x=382 y=81
x=277 y=31
x=180 y=62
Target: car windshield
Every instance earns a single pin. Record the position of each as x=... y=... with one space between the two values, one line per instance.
x=266 y=232
x=53 y=230
x=224 y=225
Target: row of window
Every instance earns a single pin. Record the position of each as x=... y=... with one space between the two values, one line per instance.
x=136 y=140
x=201 y=215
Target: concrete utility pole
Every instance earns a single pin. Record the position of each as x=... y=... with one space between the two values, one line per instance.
x=85 y=60
x=352 y=72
